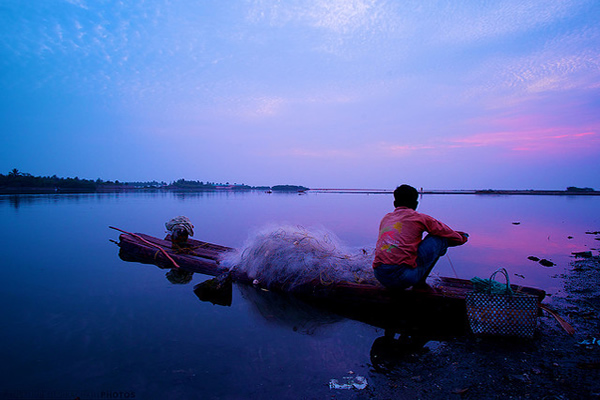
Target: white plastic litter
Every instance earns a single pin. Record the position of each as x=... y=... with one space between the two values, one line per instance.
x=590 y=342
x=349 y=382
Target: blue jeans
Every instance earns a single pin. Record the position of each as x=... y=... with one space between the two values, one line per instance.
x=403 y=276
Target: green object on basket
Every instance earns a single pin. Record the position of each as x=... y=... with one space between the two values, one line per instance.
x=491 y=286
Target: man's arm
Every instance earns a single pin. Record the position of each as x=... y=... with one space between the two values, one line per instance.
x=437 y=228
x=452 y=242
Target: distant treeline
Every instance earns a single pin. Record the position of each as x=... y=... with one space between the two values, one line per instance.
x=16 y=181
x=200 y=185
x=183 y=184
x=576 y=189
x=288 y=188
x=147 y=184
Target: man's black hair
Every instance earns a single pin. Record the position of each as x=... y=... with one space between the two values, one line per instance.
x=406 y=196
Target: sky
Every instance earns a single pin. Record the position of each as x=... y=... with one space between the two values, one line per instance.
x=369 y=94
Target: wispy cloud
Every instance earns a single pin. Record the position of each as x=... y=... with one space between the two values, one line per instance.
x=533 y=140
x=340 y=16
x=302 y=80
x=362 y=151
x=319 y=153
x=78 y=3
x=343 y=28
x=344 y=16
x=538 y=140
x=566 y=63
x=500 y=18
x=262 y=106
x=392 y=149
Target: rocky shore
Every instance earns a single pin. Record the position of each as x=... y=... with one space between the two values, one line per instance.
x=552 y=365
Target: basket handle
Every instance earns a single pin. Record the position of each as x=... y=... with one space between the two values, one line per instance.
x=503 y=271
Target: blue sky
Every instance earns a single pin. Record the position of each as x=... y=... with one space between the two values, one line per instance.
x=322 y=93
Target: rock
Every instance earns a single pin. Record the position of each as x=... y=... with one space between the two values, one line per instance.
x=582 y=254
x=546 y=263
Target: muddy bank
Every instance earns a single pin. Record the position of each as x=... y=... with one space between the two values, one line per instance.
x=553 y=365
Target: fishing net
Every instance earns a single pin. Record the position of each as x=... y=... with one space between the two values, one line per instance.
x=287 y=257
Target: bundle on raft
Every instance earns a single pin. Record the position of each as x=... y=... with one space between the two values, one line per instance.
x=314 y=269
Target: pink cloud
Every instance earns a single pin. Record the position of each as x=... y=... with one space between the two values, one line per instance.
x=531 y=140
x=530 y=133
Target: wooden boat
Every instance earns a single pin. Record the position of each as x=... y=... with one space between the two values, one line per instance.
x=439 y=311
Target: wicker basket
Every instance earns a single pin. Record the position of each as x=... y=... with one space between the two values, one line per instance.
x=502 y=314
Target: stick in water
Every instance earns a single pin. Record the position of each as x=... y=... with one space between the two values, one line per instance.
x=564 y=324
x=147 y=242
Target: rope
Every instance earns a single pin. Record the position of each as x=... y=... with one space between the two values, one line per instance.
x=324 y=283
x=149 y=243
x=452 y=265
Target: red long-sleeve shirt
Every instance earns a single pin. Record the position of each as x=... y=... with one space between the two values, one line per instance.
x=401 y=232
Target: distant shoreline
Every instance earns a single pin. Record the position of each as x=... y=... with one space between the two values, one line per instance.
x=477 y=192
x=17 y=182
x=125 y=189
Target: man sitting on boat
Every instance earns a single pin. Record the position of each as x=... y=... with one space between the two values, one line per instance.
x=402 y=257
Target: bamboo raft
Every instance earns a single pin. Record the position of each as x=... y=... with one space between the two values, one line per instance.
x=441 y=310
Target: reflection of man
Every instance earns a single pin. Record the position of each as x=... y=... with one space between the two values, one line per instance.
x=402 y=258
x=387 y=352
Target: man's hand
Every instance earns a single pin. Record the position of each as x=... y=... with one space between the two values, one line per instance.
x=465 y=236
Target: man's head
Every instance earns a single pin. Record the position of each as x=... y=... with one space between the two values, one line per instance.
x=406 y=196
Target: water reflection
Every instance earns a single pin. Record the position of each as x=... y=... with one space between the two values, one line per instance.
x=389 y=351
x=18 y=200
x=15 y=201
x=218 y=290
x=288 y=311
x=179 y=276
x=408 y=327
x=54 y=341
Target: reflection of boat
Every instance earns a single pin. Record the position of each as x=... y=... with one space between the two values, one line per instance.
x=369 y=303
x=288 y=311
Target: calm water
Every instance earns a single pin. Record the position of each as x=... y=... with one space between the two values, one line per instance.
x=76 y=318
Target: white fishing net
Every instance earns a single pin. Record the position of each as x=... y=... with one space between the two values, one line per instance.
x=287 y=257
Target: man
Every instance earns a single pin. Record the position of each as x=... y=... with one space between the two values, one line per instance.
x=402 y=257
